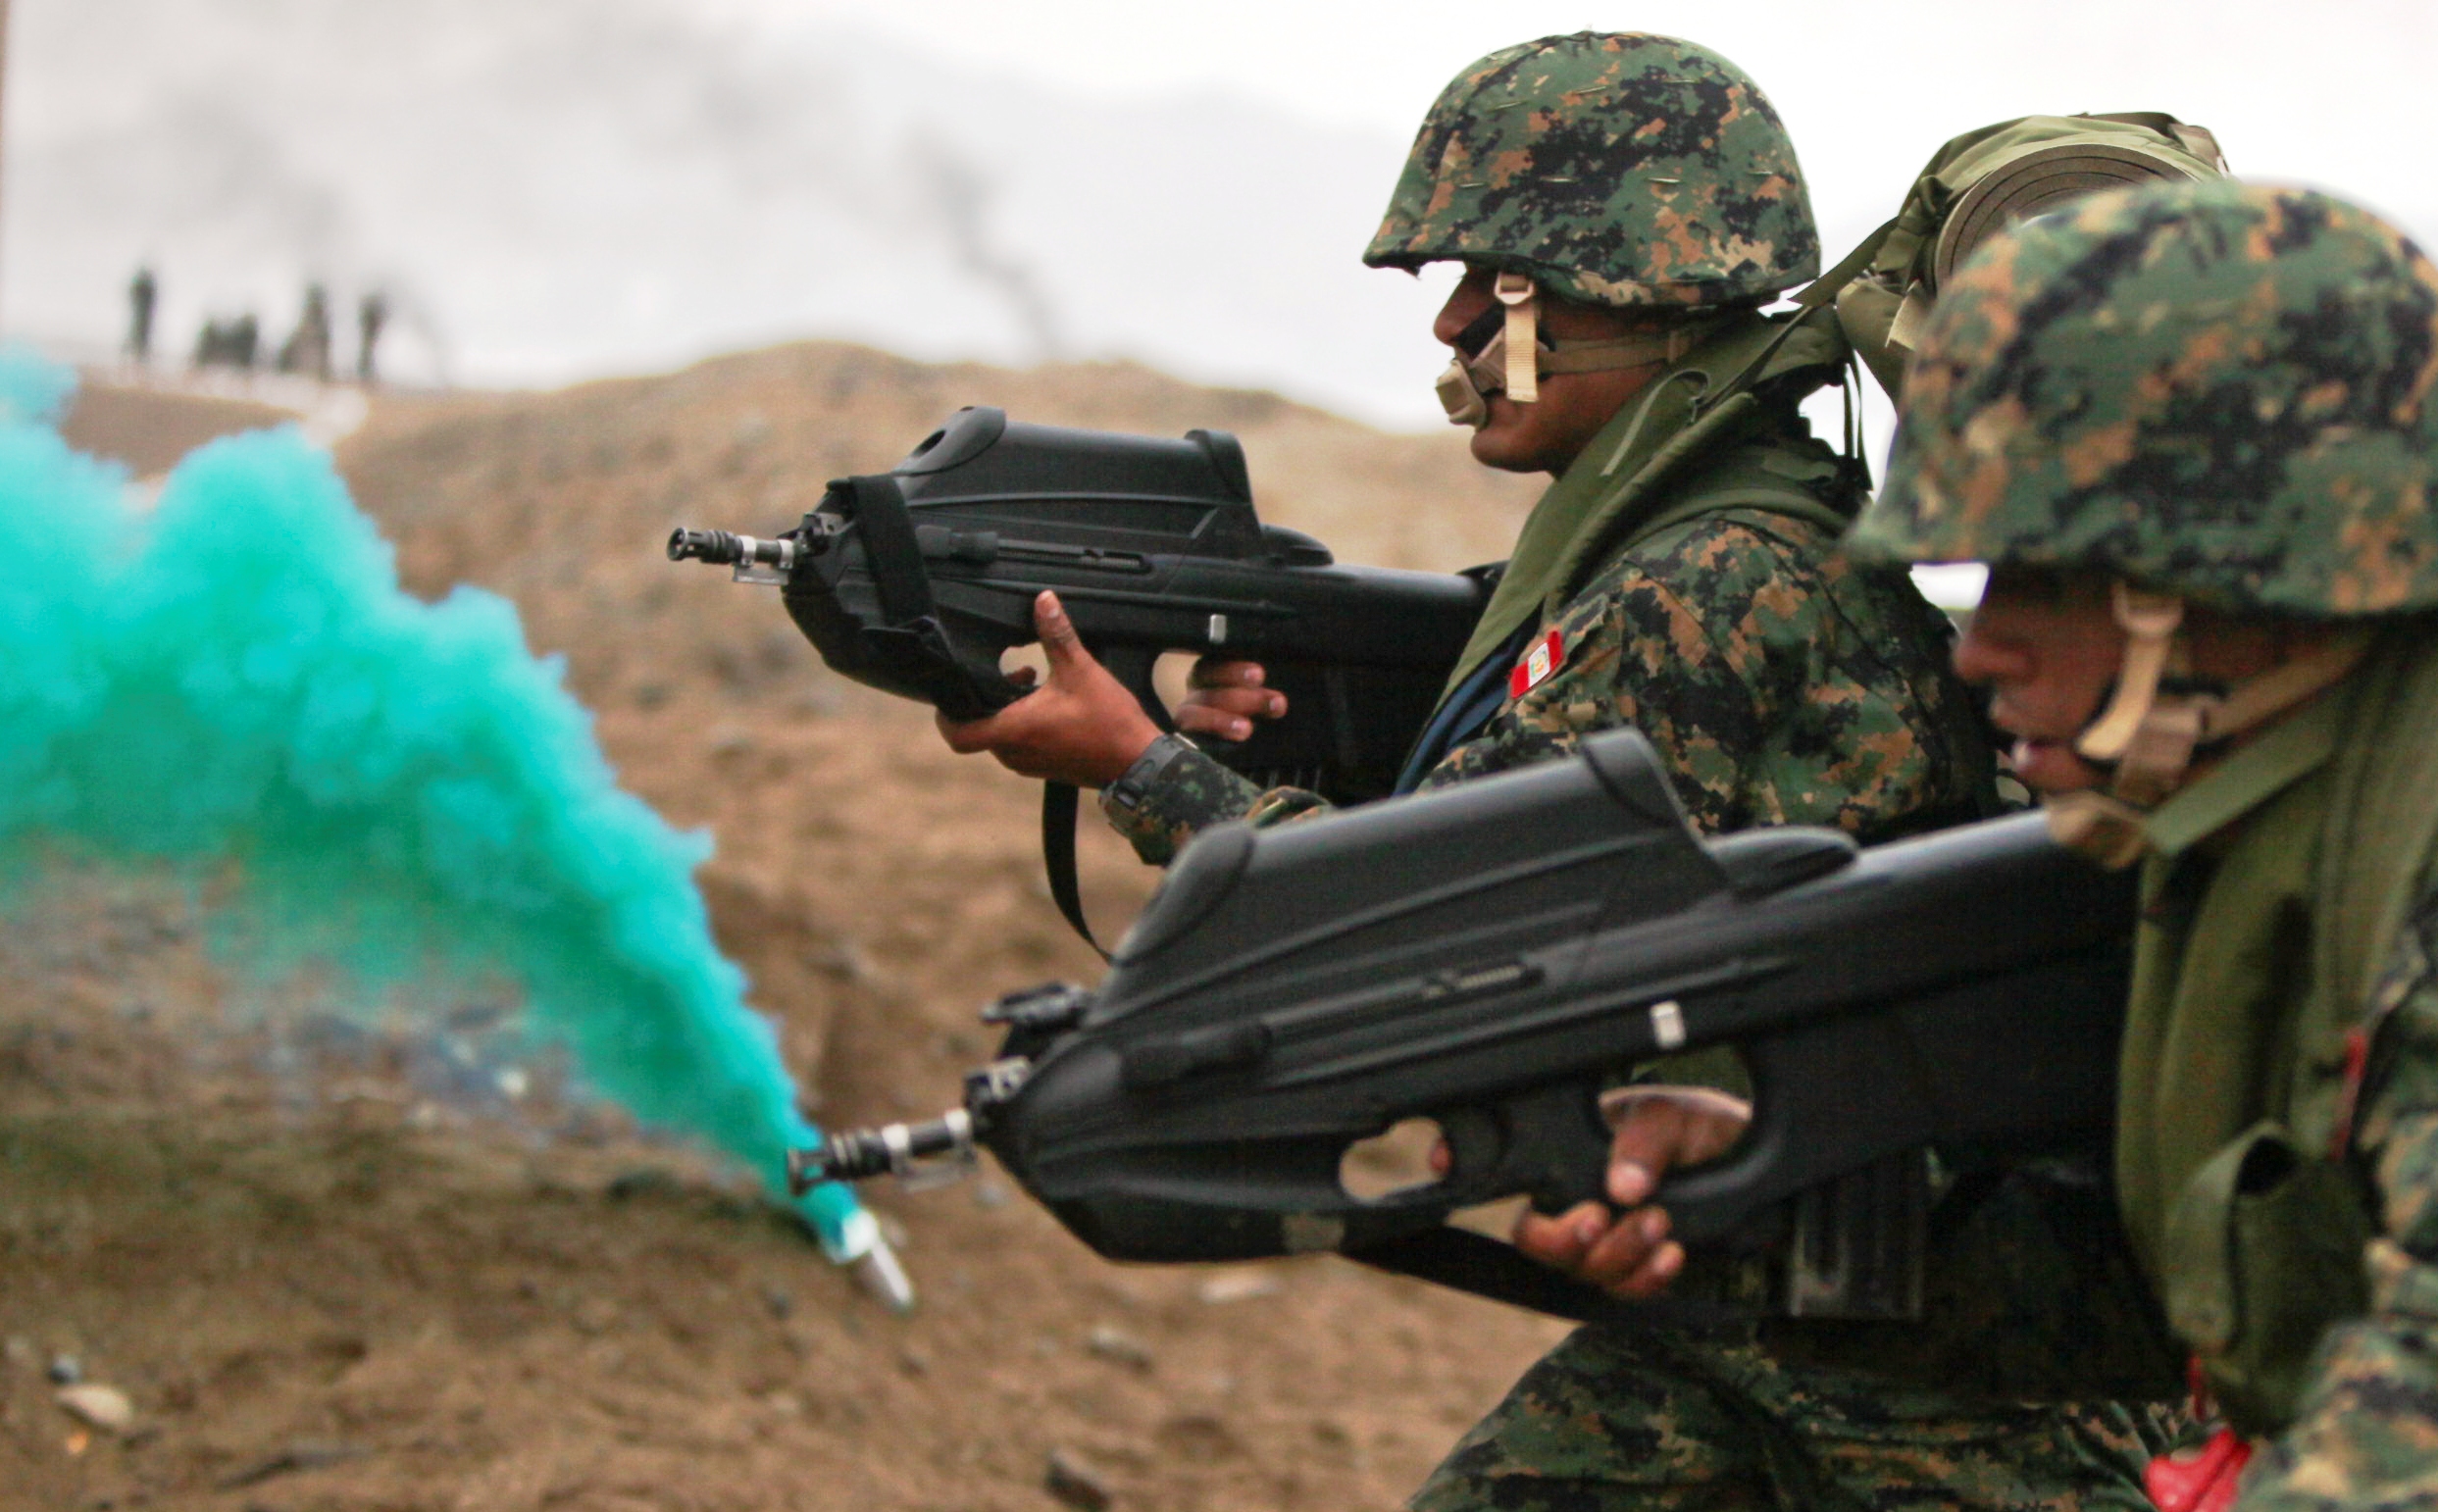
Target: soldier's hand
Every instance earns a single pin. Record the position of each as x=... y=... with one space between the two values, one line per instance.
x=1625 y=1249
x=1081 y=726
x=1226 y=697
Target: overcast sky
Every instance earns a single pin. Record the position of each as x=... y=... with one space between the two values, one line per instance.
x=572 y=187
x=2334 y=92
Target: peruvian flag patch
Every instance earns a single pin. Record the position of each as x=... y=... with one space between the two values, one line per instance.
x=1547 y=655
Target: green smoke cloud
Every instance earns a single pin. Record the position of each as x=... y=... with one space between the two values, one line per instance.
x=237 y=686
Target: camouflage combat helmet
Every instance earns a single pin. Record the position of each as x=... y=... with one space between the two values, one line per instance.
x=1611 y=168
x=2215 y=391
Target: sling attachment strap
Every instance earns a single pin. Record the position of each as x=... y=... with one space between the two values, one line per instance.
x=903 y=584
x=1059 y=807
x=1820 y=293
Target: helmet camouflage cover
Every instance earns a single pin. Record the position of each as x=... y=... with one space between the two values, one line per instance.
x=1614 y=168
x=2217 y=390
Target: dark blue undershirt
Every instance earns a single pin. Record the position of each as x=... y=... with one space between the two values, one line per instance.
x=1461 y=715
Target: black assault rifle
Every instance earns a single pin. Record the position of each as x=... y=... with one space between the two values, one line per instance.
x=1493 y=957
x=917 y=580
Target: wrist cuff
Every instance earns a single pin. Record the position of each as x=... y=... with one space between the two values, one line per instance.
x=1132 y=788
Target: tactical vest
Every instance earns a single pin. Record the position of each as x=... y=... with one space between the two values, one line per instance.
x=2251 y=1031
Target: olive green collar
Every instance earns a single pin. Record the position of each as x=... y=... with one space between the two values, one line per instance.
x=2280 y=756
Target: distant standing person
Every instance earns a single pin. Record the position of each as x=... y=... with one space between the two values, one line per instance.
x=142 y=294
x=372 y=314
x=308 y=348
x=231 y=343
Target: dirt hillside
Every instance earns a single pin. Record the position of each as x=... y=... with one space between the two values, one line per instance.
x=338 y=1266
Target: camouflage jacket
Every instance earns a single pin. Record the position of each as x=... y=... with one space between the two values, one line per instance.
x=1780 y=684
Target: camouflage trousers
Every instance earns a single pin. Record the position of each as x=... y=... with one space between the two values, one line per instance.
x=1614 y=1419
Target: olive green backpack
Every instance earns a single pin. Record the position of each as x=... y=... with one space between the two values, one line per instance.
x=1978 y=182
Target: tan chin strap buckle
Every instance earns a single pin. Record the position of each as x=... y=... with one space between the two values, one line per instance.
x=2101 y=829
x=2152 y=740
x=1465 y=384
x=1519 y=294
x=2150 y=622
x=1460 y=397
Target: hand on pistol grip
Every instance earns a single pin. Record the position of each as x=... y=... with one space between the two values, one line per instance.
x=1081 y=724
x=1622 y=1246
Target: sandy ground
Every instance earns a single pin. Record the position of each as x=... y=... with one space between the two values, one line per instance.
x=342 y=1264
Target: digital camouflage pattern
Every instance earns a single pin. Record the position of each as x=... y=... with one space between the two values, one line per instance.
x=1780 y=684
x=1616 y=1418
x=1614 y=169
x=2218 y=390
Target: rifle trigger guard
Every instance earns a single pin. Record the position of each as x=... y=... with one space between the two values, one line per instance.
x=1550 y=1143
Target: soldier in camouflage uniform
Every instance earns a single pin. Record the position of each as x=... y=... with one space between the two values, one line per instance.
x=1623 y=205
x=2194 y=434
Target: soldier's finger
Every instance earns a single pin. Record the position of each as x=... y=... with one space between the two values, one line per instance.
x=1201 y=720
x=1244 y=702
x=1059 y=642
x=1628 y=1245
x=1023 y=677
x=1228 y=713
x=1221 y=672
x=968 y=737
x=1645 y=1145
x=1563 y=1240
x=1660 y=1128
x=1654 y=1275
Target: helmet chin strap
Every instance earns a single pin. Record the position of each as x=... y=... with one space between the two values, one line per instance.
x=1521 y=296
x=2158 y=718
x=1505 y=363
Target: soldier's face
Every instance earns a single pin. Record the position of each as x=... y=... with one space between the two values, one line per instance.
x=1547 y=435
x=2048 y=646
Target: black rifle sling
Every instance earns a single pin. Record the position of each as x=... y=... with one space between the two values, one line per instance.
x=1058 y=815
x=1472 y=1262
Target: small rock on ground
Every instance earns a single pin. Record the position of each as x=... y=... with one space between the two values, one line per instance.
x=1119 y=1346
x=99 y=1406
x=1073 y=1485
x=1237 y=1287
